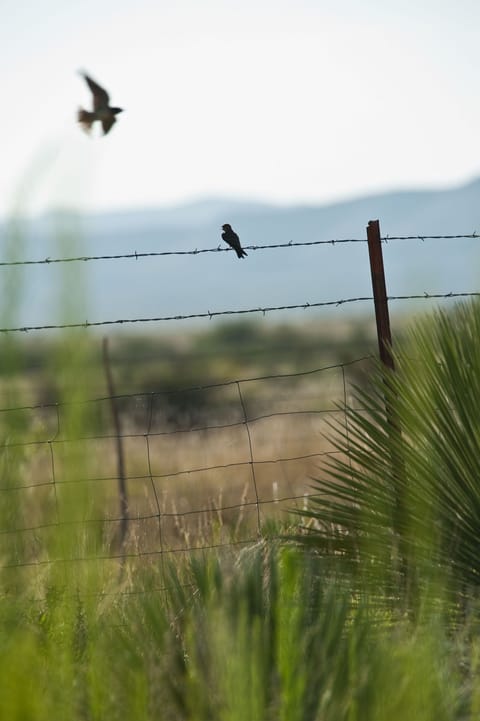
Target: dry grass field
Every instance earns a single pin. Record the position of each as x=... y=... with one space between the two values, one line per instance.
x=212 y=471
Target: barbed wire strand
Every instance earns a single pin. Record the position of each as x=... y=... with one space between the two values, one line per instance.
x=242 y=311
x=134 y=255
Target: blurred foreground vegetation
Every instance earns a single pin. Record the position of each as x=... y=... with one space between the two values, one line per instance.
x=364 y=608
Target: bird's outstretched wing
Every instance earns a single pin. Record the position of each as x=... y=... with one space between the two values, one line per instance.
x=107 y=123
x=100 y=96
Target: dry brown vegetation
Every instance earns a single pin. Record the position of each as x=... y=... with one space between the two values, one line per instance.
x=207 y=460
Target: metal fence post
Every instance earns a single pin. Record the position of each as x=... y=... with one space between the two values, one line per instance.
x=395 y=431
x=380 y=293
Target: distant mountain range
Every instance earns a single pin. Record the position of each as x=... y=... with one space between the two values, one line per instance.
x=181 y=285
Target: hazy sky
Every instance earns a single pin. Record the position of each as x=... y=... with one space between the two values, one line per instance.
x=282 y=100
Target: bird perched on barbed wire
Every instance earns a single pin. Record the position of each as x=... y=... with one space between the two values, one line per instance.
x=230 y=237
x=101 y=108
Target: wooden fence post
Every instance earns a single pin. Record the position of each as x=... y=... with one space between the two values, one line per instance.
x=122 y=478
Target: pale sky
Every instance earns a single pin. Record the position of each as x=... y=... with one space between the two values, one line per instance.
x=289 y=101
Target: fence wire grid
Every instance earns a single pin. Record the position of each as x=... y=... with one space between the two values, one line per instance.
x=250 y=455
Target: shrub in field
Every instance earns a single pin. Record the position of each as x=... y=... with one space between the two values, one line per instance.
x=403 y=509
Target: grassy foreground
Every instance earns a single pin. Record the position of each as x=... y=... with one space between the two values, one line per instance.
x=364 y=615
x=267 y=635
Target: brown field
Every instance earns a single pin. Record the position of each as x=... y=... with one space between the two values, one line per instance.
x=207 y=461
x=188 y=487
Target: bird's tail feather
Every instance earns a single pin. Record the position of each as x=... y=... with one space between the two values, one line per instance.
x=241 y=253
x=85 y=118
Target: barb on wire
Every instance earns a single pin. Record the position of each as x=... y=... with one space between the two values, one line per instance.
x=241 y=311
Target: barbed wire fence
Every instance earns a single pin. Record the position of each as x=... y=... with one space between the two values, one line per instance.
x=169 y=491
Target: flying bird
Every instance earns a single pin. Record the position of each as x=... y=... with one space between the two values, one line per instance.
x=101 y=108
x=230 y=237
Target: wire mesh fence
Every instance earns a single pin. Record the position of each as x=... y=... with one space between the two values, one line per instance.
x=243 y=452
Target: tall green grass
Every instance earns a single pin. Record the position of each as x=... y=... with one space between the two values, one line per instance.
x=267 y=637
